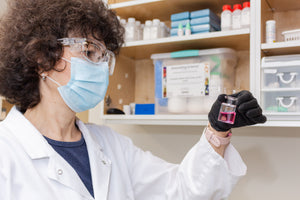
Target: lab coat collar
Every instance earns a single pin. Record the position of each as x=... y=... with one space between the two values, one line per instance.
x=27 y=135
x=37 y=147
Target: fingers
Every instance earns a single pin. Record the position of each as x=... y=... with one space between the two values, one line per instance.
x=244 y=96
x=248 y=105
x=261 y=119
x=222 y=98
x=253 y=113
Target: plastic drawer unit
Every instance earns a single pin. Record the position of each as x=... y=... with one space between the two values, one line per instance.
x=188 y=82
x=281 y=84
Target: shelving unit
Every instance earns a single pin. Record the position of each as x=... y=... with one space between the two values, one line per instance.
x=286 y=14
x=134 y=60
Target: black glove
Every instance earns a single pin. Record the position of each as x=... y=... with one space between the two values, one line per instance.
x=248 y=112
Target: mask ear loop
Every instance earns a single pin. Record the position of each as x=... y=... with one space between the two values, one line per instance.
x=64 y=66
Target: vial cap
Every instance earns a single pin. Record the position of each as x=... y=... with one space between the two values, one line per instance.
x=246 y=4
x=131 y=19
x=237 y=7
x=227 y=7
x=148 y=23
x=156 y=21
x=231 y=100
x=137 y=23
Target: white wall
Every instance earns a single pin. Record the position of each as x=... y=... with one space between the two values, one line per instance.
x=271 y=154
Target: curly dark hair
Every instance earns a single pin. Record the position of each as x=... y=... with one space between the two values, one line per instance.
x=28 y=40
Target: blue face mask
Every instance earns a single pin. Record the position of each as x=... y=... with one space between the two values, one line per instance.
x=87 y=86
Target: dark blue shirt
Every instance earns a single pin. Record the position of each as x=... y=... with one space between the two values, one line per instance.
x=76 y=154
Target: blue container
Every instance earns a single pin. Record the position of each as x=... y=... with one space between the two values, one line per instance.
x=175 y=24
x=144 y=109
x=201 y=28
x=180 y=16
x=204 y=13
x=205 y=20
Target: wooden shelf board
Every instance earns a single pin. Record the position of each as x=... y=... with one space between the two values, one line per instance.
x=281 y=48
x=280 y=5
x=237 y=39
x=162 y=9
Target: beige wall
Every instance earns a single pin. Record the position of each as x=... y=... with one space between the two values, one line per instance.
x=271 y=154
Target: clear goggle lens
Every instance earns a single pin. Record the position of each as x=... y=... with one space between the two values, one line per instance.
x=91 y=50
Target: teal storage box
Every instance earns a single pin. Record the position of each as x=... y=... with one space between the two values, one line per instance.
x=180 y=16
x=188 y=82
x=204 y=13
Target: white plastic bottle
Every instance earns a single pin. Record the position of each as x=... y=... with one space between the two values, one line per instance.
x=130 y=30
x=226 y=18
x=141 y=36
x=147 y=30
x=162 y=30
x=137 y=30
x=155 y=29
x=245 y=15
x=236 y=16
x=123 y=22
x=270 y=31
x=180 y=31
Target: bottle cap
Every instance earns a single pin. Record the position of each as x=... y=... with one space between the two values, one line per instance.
x=270 y=22
x=231 y=100
x=137 y=23
x=131 y=20
x=188 y=26
x=246 y=4
x=148 y=23
x=156 y=21
x=237 y=7
x=180 y=26
x=227 y=7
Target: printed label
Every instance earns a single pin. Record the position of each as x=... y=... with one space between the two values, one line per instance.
x=186 y=80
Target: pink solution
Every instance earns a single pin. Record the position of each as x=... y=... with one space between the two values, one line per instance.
x=227 y=117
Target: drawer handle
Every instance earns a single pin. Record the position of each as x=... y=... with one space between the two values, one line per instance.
x=292 y=101
x=292 y=74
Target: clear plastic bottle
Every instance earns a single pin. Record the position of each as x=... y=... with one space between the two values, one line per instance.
x=188 y=30
x=147 y=30
x=155 y=29
x=245 y=15
x=236 y=16
x=130 y=30
x=226 y=18
x=162 y=30
x=137 y=30
x=180 y=31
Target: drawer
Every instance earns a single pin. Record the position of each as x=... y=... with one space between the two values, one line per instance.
x=281 y=101
x=283 y=77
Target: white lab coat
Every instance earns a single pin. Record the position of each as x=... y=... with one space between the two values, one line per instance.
x=31 y=170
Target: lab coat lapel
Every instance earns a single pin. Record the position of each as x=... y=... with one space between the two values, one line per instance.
x=100 y=164
x=61 y=171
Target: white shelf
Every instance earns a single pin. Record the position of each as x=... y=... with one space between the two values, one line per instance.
x=280 y=89
x=162 y=9
x=280 y=48
x=190 y=120
x=144 y=48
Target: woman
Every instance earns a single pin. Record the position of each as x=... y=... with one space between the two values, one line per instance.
x=56 y=57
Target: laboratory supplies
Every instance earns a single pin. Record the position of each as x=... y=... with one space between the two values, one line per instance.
x=180 y=16
x=155 y=29
x=147 y=30
x=291 y=35
x=130 y=34
x=226 y=18
x=189 y=81
x=245 y=15
x=281 y=83
x=270 y=31
x=205 y=13
x=188 y=30
x=126 y=109
x=205 y=20
x=144 y=109
x=180 y=31
x=175 y=24
x=227 y=110
x=137 y=30
x=236 y=16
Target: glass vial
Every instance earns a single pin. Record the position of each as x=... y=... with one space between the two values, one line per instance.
x=227 y=111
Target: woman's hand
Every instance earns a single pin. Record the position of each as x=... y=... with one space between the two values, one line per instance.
x=248 y=112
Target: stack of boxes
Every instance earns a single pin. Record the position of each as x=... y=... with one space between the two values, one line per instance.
x=200 y=21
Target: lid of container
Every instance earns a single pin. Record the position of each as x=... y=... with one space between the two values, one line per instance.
x=281 y=61
x=227 y=7
x=246 y=4
x=270 y=22
x=237 y=7
x=131 y=19
x=194 y=53
x=138 y=23
x=148 y=23
x=156 y=21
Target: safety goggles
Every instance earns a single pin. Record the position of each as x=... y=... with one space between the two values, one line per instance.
x=91 y=50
